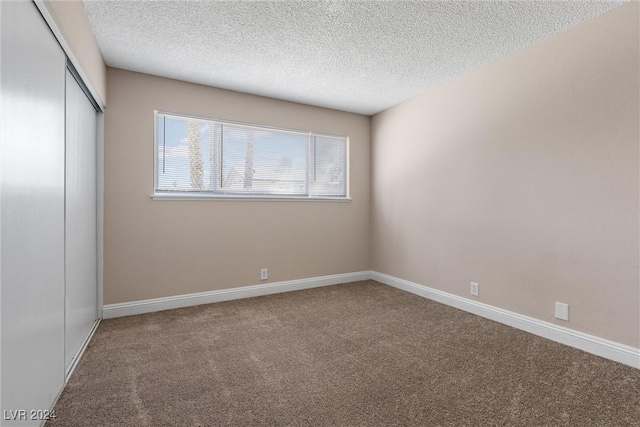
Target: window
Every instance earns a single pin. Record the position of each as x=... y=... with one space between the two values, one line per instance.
x=206 y=157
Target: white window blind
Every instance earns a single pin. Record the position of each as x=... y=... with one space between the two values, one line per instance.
x=210 y=157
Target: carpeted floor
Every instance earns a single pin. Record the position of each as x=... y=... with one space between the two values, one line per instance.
x=359 y=354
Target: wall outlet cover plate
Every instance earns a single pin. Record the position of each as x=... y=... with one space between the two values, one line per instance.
x=562 y=311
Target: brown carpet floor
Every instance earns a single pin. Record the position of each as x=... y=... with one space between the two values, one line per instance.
x=359 y=354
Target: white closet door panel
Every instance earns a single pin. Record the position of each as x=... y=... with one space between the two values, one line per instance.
x=81 y=280
x=31 y=211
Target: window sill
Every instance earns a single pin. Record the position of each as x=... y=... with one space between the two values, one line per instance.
x=252 y=198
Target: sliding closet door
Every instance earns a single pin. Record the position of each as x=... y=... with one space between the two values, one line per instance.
x=80 y=220
x=32 y=88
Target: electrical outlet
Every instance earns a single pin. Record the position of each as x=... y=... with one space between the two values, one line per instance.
x=562 y=311
x=475 y=289
x=264 y=274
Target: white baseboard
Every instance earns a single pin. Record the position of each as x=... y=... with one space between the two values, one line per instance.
x=589 y=343
x=580 y=340
x=158 y=304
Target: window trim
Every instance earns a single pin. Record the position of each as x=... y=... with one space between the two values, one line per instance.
x=209 y=195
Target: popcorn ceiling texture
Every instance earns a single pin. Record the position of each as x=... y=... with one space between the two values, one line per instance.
x=361 y=57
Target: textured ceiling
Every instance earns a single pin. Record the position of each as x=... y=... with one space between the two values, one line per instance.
x=361 y=57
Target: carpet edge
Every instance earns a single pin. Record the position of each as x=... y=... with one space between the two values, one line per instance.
x=602 y=347
x=110 y=311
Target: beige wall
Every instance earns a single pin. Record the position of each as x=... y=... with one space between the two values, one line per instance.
x=72 y=21
x=522 y=176
x=163 y=248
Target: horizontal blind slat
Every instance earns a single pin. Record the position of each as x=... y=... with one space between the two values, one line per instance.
x=199 y=155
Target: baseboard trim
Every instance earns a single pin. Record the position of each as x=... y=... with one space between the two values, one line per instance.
x=110 y=311
x=580 y=340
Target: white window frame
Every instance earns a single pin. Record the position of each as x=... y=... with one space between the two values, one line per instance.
x=208 y=195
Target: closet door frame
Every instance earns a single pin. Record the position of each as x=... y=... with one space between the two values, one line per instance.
x=81 y=309
x=100 y=106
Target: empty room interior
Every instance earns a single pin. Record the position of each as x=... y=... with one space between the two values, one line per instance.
x=268 y=213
